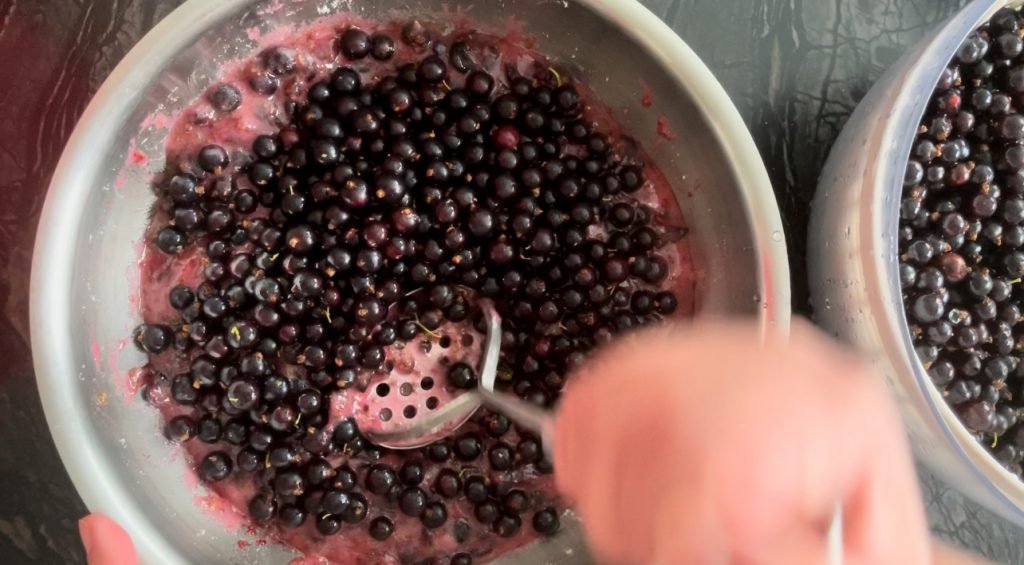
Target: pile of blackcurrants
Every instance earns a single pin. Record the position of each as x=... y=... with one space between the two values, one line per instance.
x=381 y=213
x=961 y=236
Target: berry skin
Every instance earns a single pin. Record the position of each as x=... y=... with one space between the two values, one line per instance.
x=546 y=521
x=381 y=528
x=461 y=376
x=508 y=526
x=262 y=507
x=181 y=429
x=171 y=240
x=380 y=479
x=412 y=502
x=226 y=98
x=215 y=467
x=435 y=514
x=382 y=47
x=355 y=43
x=448 y=484
x=153 y=338
x=212 y=159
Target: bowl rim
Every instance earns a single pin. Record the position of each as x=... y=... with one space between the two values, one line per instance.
x=1006 y=487
x=52 y=274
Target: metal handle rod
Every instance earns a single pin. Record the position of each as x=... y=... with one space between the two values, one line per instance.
x=533 y=418
x=529 y=416
x=492 y=349
x=835 y=537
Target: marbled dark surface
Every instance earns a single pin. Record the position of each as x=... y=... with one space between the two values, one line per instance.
x=795 y=69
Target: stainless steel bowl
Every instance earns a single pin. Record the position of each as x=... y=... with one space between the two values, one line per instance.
x=853 y=259
x=86 y=249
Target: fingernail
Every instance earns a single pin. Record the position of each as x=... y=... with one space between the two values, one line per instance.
x=85 y=530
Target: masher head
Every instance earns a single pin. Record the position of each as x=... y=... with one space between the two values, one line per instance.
x=409 y=411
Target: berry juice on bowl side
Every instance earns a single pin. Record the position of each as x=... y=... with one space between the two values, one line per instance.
x=331 y=214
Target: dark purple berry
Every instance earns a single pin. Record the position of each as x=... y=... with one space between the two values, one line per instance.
x=355 y=43
x=381 y=528
x=215 y=467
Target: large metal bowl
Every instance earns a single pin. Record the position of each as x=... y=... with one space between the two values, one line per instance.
x=86 y=250
x=853 y=259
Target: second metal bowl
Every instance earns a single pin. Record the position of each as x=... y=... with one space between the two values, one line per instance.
x=853 y=261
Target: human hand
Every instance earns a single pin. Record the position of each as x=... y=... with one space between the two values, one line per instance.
x=704 y=445
x=105 y=542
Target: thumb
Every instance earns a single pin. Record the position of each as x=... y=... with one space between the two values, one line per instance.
x=105 y=542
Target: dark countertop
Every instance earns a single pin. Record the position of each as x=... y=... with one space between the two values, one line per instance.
x=794 y=68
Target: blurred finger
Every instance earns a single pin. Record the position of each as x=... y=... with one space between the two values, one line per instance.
x=105 y=542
